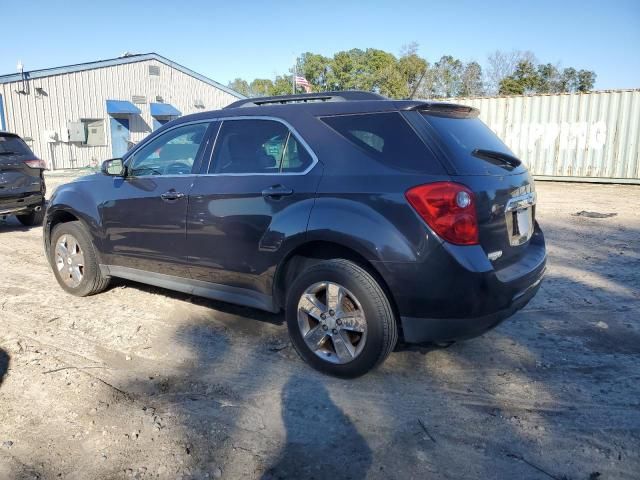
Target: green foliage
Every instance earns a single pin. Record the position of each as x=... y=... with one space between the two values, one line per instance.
x=282 y=85
x=528 y=79
x=261 y=87
x=411 y=76
x=240 y=86
x=471 y=82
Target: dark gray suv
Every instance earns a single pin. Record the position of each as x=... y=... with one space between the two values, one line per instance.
x=22 y=186
x=364 y=219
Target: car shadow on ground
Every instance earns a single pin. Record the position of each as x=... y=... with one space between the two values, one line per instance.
x=214 y=305
x=12 y=224
x=4 y=364
x=315 y=447
x=527 y=400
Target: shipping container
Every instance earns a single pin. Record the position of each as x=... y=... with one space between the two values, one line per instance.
x=575 y=136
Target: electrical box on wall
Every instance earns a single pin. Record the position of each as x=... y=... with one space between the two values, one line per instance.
x=77 y=132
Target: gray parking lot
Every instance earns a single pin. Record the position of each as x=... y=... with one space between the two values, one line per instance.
x=140 y=382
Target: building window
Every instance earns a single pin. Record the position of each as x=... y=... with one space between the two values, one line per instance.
x=94 y=132
x=154 y=70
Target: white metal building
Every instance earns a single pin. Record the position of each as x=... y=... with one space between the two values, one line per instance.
x=79 y=115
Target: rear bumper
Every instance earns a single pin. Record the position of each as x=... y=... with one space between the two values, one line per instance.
x=456 y=292
x=18 y=205
x=420 y=330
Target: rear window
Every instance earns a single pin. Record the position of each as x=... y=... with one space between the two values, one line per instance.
x=462 y=136
x=388 y=138
x=10 y=145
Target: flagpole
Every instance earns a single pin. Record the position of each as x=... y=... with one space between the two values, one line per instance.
x=293 y=79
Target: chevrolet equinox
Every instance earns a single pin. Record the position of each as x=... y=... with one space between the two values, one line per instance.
x=365 y=219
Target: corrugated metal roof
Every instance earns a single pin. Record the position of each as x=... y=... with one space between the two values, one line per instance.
x=47 y=72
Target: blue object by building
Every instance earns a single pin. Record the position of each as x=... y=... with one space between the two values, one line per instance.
x=122 y=107
x=119 y=136
x=164 y=110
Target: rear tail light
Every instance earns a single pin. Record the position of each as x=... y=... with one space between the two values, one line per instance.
x=36 y=163
x=449 y=209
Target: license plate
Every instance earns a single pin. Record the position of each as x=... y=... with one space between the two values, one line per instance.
x=519 y=219
x=520 y=225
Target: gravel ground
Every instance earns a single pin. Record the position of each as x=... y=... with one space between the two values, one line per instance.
x=140 y=382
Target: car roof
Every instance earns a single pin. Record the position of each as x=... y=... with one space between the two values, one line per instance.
x=325 y=104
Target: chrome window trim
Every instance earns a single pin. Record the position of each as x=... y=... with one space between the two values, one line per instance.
x=312 y=154
x=150 y=139
x=292 y=130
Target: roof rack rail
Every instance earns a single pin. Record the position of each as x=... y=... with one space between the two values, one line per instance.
x=348 y=95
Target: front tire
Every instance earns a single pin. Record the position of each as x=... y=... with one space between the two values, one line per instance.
x=74 y=260
x=339 y=318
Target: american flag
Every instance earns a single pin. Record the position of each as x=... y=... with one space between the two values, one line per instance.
x=303 y=82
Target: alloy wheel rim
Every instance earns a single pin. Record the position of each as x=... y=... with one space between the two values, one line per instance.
x=69 y=260
x=332 y=322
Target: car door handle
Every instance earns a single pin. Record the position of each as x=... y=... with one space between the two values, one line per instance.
x=277 y=191
x=171 y=195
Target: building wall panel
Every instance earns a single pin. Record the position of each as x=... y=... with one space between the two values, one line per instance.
x=70 y=97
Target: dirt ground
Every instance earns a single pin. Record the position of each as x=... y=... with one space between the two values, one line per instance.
x=140 y=382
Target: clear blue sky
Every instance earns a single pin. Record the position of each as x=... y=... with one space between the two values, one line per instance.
x=251 y=39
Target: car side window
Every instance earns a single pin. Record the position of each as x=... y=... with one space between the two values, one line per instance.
x=257 y=146
x=249 y=146
x=172 y=153
x=296 y=157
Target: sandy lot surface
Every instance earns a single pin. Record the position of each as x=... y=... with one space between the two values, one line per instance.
x=140 y=382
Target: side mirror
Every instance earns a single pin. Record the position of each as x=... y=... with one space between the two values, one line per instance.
x=114 y=167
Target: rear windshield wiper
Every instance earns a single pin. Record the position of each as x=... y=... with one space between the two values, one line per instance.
x=497 y=158
x=8 y=153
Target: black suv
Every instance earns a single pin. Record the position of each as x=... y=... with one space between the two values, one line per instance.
x=22 y=186
x=365 y=219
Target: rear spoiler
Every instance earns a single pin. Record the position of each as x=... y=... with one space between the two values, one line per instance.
x=446 y=109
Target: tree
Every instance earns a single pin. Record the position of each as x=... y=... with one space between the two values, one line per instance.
x=261 y=87
x=524 y=80
x=586 y=80
x=315 y=69
x=471 y=82
x=410 y=76
x=569 y=80
x=282 y=85
x=549 y=79
x=381 y=74
x=240 y=86
x=346 y=70
x=447 y=77
x=502 y=65
x=412 y=68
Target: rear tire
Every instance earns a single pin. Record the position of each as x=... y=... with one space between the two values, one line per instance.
x=74 y=260
x=32 y=219
x=346 y=340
